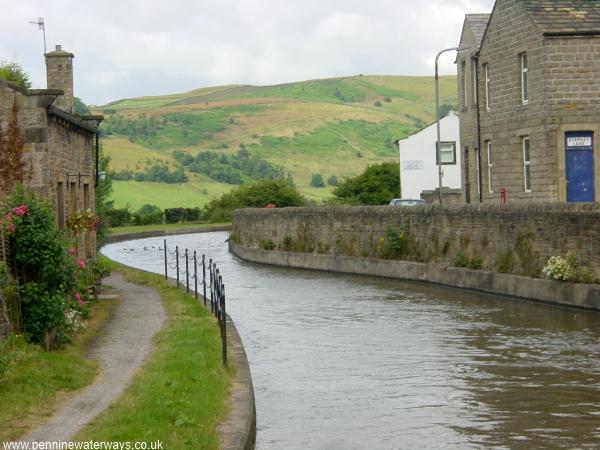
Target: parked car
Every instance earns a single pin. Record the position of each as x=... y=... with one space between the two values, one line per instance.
x=407 y=202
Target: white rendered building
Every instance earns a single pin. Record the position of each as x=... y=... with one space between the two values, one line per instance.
x=418 y=158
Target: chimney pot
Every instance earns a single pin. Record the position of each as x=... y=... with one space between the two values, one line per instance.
x=58 y=48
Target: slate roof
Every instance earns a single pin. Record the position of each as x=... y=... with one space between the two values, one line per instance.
x=565 y=17
x=477 y=23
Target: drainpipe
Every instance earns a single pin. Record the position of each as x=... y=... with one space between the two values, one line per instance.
x=479 y=186
x=97 y=160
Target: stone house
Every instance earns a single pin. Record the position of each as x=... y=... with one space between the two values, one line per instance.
x=60 y=151
x=529 y=95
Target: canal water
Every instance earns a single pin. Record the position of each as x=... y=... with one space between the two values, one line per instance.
x=351 y=362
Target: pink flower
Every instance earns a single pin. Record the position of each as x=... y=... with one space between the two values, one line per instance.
x=20 y=210
x=9 y=216
x=80 y=263
x=73 y=251
x=77 y=297
x=10 y=227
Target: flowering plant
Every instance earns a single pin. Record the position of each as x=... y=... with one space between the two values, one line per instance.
x=13 y=217
x=82 y=221
x=566 y=269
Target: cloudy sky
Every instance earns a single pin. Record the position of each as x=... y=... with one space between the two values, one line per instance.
x=128 y=48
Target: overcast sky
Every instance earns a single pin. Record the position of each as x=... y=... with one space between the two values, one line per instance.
x=129 y=48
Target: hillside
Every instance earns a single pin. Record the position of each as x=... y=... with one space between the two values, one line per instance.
x=330 y=127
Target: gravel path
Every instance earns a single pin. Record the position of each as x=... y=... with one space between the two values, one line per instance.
x=120 y=351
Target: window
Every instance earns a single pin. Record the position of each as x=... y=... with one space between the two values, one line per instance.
x=463 y=68
x=474 y=79
x=60 y=207
x=490 y=166
x=478 y=164
x=524 y=80
x=526 y=165
x=447 y=153
x=486 y=71
x=72 y=199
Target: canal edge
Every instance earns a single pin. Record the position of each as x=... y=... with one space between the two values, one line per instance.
x=114 y=238
x=583 y=296
x=238 y=430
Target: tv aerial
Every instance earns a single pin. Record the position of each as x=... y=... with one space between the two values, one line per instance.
x=40 y=23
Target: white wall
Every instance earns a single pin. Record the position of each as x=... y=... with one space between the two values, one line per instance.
x=418 y=169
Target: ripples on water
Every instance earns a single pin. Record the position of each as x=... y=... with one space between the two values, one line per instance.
x=350 y=362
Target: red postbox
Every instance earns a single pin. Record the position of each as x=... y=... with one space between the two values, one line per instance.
x=503 y=195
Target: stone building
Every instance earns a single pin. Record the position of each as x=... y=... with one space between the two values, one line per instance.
x=61 y=148
x=529 y=94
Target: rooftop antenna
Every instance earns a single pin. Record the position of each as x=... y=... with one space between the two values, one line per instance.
x=41 y=26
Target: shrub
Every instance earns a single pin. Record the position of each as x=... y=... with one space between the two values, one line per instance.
x=148 y=215
x=174 y=215
x=375 y=186
x=256 y=195
x=332 y=180
x=461 y=260
x=267 y=244
x=316 y=180
x=192 y=215
x=287 y=243
x=119 y=217
x=51 y=281
x=566 y=269
x=377 y=103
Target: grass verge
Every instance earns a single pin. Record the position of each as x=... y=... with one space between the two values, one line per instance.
x=180 y=395
x=35 y=382
x=163 y=226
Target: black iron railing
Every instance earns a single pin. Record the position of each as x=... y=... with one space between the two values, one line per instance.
x=180 y=261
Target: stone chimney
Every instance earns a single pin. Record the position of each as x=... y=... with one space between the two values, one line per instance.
x=59 y=75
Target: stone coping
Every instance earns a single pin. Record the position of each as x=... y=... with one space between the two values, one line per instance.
x=155 y=233
x=547 y=291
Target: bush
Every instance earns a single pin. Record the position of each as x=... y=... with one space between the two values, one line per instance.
x=566 y=269
x=332 y=180
x=174 y=215
x=192 y=215
x=317 y=180
x=375 y=186
x=148 y=215
x=52 y=281
x=256 y=195
x=119 y=217
x=377 y=103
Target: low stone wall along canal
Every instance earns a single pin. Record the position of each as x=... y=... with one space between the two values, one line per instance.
x=355 y=362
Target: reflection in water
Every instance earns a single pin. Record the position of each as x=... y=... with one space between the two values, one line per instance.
x=349 y=362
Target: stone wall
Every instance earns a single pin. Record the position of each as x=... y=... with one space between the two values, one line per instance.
x=516 y=238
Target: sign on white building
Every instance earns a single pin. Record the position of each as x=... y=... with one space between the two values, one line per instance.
x=418 y=158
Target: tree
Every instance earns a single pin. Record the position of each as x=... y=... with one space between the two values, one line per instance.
x=445 y=109
x=103 y=190
x=13 y=72
x=256 y=195
x=317 y=180
x=377 y=185
x=332 y=180
x=80 y=108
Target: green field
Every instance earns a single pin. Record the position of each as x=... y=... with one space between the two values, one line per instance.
x=331 y=127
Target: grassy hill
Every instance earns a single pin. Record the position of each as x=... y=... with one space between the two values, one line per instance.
x=331 y=127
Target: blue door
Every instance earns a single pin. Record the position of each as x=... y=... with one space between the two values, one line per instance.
x=579 y=159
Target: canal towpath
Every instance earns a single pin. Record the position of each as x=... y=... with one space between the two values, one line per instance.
x=120 y=352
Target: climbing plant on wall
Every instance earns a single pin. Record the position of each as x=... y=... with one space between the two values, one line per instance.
x=12 y=169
